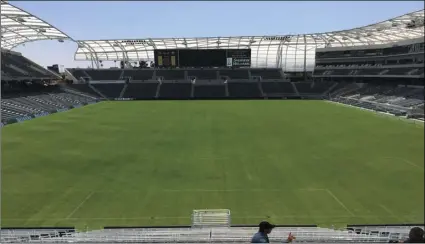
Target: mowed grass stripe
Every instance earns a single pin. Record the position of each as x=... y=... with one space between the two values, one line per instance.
x=133 y=155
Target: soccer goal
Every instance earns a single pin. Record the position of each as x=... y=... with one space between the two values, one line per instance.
x=211 y=218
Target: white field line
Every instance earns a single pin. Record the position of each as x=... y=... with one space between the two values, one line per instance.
x=241 y=190
x=406 y=161
x=391 y=213
x=181 y=190
x=79 y=205
x=189 y=217
x=340 y=203
x=248 y=175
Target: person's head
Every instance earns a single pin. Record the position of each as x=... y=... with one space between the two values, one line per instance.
x=416 y=234
x=265 y=227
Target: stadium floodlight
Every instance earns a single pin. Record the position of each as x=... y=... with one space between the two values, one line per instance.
x=19 y=19
x=60 y=40
x=41 y=30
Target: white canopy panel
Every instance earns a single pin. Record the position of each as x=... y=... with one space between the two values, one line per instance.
x=293 y=53
x=18 y=27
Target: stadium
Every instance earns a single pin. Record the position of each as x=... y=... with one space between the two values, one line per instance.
x=199 y=139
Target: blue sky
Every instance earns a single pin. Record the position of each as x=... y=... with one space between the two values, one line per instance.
x=143 y=19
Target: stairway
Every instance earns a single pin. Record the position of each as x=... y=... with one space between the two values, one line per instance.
x=123 y=90
x=158 y=88
x=295 y=88
x=97 y=91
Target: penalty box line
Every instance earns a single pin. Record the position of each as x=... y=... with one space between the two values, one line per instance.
x=329 y=192
x=242 y=190
x=79 y=205
x=189 y=217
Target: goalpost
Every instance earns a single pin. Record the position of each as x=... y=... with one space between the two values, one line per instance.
x=210 y=218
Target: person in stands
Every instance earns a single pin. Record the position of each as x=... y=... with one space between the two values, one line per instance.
x=416 y=235
x=266 y=228
x=261 y=236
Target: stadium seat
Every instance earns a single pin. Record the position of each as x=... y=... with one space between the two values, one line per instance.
x=210 y=89
x=171 y=74
x=146 y=90
x=201 y=74
x=138 y=75
x=267 y=73
x=242 y=89
x=104 y=74
x=234 y=73
x=175 y=90
x=110 y=90
x=277 y=87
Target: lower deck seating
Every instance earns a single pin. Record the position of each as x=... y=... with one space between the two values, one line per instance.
x=360 y=234
x=397 y=100
x=321 y=87
x=38 y=103
x=244 y=90
x=110 y=90
x=304 y=87
x=273 y=87
x=84 y=88
x=209 y=91
x=175 y=90
x=145 y=90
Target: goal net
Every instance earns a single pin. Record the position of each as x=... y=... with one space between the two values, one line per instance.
x=211 y=218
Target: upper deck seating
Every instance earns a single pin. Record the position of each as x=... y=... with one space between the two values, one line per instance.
x=203 y=74
x=267 y=73
x=170 y=74
x=17 y=66
x=104 y=74
x=234 y=73
x=138 y=75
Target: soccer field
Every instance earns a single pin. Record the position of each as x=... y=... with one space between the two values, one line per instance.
x=153 y=162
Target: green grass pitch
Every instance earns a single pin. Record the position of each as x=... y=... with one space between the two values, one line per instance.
x=153 y=162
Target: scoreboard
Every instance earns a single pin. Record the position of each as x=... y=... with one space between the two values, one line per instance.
x=202 y=58
x=166 y=58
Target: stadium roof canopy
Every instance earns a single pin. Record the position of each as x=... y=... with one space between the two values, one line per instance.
x=292 y=52
x=18 y=27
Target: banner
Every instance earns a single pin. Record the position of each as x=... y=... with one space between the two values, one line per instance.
x=229 y=62
x=23 y=118
x=41 y=114
x=123 y=99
